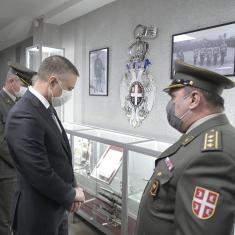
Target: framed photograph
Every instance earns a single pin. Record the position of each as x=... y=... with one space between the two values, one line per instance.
x=211 y=48
x=98 y=72
x=108 y=164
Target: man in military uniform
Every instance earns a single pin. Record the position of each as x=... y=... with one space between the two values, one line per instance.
x=208 y=56
x=195 y=55
x=192 y=189
x=216 y=51
x=223 y=52
x=17 y=78
x=202 y=54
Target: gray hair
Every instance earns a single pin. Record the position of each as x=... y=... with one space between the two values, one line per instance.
x=56 y=65
x=10 y=75
x=212 y=99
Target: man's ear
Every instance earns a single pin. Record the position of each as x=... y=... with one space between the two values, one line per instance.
x=11 y=80
x=195 y=99
x=52 y=81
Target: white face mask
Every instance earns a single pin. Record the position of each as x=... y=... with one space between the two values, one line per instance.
x=21 y=92
x=60 y=100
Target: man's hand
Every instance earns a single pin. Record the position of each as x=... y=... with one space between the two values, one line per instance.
x=79 y=198
x=75 y=207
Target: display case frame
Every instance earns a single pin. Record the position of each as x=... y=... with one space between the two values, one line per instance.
x=127 y=143
x=39 y=50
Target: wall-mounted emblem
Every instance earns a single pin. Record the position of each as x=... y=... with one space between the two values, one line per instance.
x=138 y=89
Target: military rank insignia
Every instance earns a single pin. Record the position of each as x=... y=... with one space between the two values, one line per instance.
x=169 y=164
x=212 y=141
x=204 y=203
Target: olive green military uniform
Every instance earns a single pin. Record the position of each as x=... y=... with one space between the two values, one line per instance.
x=7 y=168
x=6 y=104
x=192 y=189
x=202 y=159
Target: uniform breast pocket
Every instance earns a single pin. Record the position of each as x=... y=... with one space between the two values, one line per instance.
x=161 y=190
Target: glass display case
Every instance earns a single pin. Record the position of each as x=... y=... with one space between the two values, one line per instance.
x=109 y=167
x=36 y=54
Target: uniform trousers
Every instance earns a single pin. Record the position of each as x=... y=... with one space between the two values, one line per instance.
x=7 y=188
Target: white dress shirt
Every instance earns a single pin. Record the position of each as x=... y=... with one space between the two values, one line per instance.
x=45 y=103
x=40 y=97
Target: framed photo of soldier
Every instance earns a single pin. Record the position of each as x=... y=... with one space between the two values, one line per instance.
x=98 y=72
x=212 y=48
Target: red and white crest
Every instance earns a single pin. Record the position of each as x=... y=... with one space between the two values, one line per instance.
x=204 y=203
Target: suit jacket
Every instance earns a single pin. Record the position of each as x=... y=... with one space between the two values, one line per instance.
x=44 y=168
x=192 y=189
x=7 y=168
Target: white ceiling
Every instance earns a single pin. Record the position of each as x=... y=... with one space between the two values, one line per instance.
x=17 y=16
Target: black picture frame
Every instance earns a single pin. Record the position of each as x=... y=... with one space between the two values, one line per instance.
x=98 y=72
x=212 y=48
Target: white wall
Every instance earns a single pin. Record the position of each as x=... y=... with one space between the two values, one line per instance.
x=112 y=26
x=46 y=35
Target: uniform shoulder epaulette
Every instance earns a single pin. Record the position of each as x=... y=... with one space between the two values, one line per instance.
x=212 y=141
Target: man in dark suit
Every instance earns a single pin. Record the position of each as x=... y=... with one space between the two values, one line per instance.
x=17 y=78
x=192 y=189
x=46 y=186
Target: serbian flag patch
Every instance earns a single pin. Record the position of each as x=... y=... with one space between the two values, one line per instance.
x=204 y=202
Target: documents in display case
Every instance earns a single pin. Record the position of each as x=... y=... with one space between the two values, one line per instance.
x=113 y=169
x=108 y=164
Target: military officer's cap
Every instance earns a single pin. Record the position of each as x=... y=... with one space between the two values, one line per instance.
x=24 y=74
x=189 y=75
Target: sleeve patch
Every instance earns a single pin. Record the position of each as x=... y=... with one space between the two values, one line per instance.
x=204 y=203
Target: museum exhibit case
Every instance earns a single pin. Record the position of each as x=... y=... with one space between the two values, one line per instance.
x=36 y=54
x=113 y=169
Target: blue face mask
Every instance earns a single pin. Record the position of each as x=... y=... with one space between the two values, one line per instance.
x=174 y=121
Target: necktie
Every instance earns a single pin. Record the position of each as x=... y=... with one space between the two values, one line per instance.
x=53 y=116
